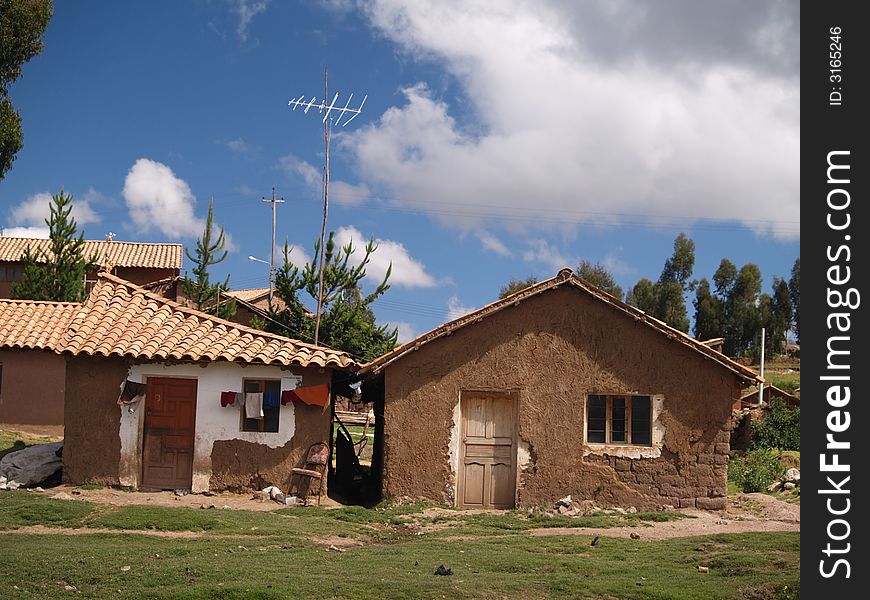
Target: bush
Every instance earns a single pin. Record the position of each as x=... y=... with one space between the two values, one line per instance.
x=755 y=471
x=780 y=428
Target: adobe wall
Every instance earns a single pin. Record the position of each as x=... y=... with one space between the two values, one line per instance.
x=224 y=457
x=143 y=275
x=92 y=443
x=555 y=349
x=32 y=389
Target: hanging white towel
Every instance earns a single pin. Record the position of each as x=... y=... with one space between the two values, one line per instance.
x=254 y=405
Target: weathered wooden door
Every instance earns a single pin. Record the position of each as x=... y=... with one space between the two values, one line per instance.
x=487 y=470
x=170 y=415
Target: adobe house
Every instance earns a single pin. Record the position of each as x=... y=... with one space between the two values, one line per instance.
x=145 y=387
x=34 y=381
x=32 y=374
x=139 y=262
x=558 y=389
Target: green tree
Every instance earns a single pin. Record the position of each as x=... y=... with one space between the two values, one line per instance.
x=516 y=285
x=202 y=293
x=643 y=296
x=347 y=321
x=22 y=25
x=794 y=290
x=709 y=313
x=598 y=275
x=665 y=299
x=57 y=274
x=781 y=315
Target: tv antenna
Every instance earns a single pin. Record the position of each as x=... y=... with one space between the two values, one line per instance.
x=330 y=110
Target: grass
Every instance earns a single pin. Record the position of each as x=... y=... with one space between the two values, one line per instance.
x=13 y=441
x=279 y=554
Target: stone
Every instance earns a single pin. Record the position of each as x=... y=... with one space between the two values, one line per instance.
x=33 y=464
x=788 y=485
x=566 y=502
x=563 y=510
x=720 y=503
x=631 y=510
x=634 y=536
x=62 y=496
x=773 y=487
x=792 y=476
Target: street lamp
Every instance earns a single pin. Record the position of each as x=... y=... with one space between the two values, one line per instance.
x=271 y=276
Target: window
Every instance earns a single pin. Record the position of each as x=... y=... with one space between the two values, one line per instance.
x=619 y=420
x=11 y=273
x=269 y=422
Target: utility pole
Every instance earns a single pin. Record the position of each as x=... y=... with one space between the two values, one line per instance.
x=761 y=385
x=330 y=108
x=275 y=201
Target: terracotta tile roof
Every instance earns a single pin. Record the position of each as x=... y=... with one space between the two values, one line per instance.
x=250 y=295
x=565 y=277
x=123 y=319
x=119 y=254
x=30 y=324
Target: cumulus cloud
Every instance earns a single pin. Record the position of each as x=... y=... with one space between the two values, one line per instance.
x=296 y=255
x=158 y=199
x=25 y=232
x=599 y=112
x=247 y=10
x=240 y=146
x=407 y=271
x=616 y=265
x=455 y=308
x=542 y=252
x=491 y=243
x=341 y=192
x=33 y=211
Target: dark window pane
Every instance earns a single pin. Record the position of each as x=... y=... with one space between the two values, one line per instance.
x=597 y=420
x=617 y=426
x=641 y=421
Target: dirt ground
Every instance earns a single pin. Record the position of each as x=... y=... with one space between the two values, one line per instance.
x=226 y=500
x=745 y=513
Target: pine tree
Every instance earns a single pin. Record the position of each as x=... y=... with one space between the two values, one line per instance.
x=203 y=294
x=347 y=321
x=794 y=288
x=57 y=274
x=515 y=285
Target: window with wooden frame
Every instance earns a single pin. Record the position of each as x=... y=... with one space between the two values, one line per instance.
x=271 y=414
x=618 y=419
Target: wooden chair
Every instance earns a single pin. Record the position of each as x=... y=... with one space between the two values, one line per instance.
x=312 y=473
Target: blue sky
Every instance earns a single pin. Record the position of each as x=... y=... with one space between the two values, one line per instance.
x=498 y=141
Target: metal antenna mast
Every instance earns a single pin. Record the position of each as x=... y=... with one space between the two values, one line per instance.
x=337 y=113
x=275 y=202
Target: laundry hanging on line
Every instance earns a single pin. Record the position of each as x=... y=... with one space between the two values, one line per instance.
x=315 y=395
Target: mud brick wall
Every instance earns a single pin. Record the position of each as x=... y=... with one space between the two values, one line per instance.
x=554 y=349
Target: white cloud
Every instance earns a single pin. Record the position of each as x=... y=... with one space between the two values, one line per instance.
x=407 y=271
x=247 y=10
x=540 y=251
x=157 y=199
x=552 y=131
x=36 y=209
x=240 y=146
x=407 y=331
x=341 y=192
x=616 y=265
x=297 y=256
x=455 y=309
x=25 y=232
x=491 y=243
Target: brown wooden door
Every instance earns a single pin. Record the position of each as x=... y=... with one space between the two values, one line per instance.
x=170 y=414
x=487 y=477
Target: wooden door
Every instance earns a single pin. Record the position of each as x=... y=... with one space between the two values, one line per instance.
x=487 y=470
x=170 y=415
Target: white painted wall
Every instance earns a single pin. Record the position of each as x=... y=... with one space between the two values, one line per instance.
x=213 y=422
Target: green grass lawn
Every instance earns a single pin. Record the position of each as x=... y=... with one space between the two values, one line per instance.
x=284 y=554
x=12 y=441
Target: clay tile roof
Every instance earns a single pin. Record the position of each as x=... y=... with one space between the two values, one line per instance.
x=249 y=295
x=565 y=277
x=118 y=254
x=122 y=319
x=33 y=325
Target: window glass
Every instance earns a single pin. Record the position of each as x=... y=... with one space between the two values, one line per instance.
x=617 y=427
x=641 y=422
x=271 y=414
x=597 y=420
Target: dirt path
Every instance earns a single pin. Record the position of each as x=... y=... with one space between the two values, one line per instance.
x=746 y=513
x=43 y=530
